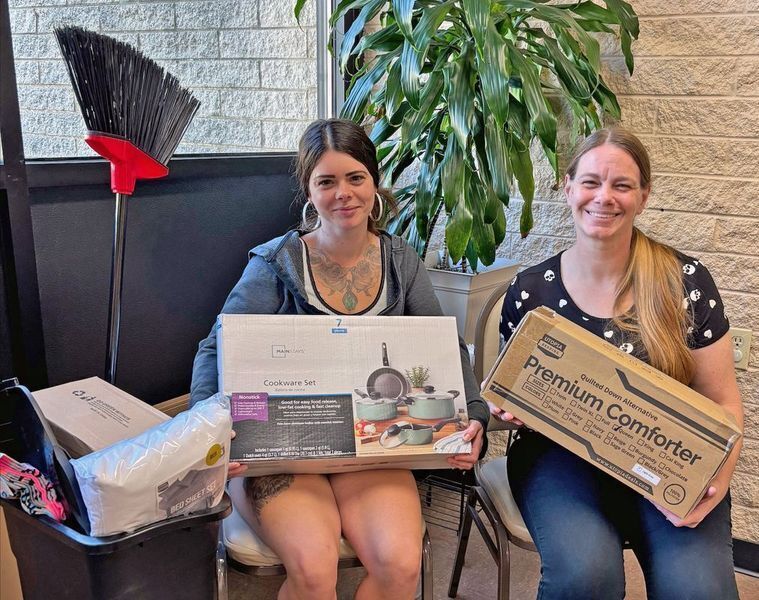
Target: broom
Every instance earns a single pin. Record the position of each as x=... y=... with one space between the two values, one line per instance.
x=136 y=114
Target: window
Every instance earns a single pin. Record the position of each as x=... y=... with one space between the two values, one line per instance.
x=250 y=64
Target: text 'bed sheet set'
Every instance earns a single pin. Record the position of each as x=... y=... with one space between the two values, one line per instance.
x=654 y=434
x=325 y=394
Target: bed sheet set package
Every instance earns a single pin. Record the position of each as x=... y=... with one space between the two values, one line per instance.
x=649 y=431
x=324 y=394
x=172 y=469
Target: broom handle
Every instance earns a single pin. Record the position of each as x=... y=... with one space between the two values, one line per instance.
x=117 y=270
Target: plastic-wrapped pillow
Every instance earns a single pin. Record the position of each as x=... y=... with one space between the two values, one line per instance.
x=172 y=469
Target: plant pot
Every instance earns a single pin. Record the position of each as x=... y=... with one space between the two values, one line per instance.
x=462 y=295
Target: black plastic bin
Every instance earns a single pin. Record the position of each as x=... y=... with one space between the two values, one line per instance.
x=168 y=560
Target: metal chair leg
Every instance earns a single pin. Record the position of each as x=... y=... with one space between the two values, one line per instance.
x=427 y=584
x=466 y=527
x=222 y=583
x=504 y=566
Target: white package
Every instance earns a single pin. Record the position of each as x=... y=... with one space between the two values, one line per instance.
x=172 y=469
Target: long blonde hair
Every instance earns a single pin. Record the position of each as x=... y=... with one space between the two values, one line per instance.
x=653 y=274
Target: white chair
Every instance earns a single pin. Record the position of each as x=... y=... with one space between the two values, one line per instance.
x=492 y=494
x=243 y=550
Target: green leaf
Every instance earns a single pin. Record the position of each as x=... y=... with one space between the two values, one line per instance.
x=299 y=4
x=521 y=164
x=384 y=151
x=458 y=230
x=499 y=226
x=452 y=173
x=471 y=255
x=564 y=68
x=422 y=198
x=358 y=94
x=427 y=184
x=626 y=44
x=402 y=9
x=381 y=41
x=559 y=16
x=594 y=26
x=433 y=144
x=368 y=12
x=497 y=155
x=525 y=219
x=429 y=24
x=431 y=99
x=495 y=70
x=626 y=14
x=519 y=118
x=411 y=65
x=476 y=13
x=482 y=233
x=460 y=95
x=540 y=111
x=594 y=12
x=608 y=101
x=343 y=7
x=393 y=90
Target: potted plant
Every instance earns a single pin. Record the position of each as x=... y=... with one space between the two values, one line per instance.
x=468 y=86
x=417 y=377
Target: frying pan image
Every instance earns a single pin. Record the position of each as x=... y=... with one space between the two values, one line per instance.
x=390 y=383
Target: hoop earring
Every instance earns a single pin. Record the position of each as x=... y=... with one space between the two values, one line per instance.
x=381 y=210
x=304 y=216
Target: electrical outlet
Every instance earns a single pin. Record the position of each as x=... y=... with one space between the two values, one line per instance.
x=741 y=339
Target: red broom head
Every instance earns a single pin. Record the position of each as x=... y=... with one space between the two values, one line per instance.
x=136 y=112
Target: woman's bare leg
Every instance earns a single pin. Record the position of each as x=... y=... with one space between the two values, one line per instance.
x=297 y=517
x=382 y=519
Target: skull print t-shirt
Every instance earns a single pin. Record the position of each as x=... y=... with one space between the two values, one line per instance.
x=541 y=285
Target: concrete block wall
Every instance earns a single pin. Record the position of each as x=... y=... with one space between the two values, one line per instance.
x=694 y=101
x=248 y=61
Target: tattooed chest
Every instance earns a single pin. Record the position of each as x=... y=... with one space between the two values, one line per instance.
x=349 y=289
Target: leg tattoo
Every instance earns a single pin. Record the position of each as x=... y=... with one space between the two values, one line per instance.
x=259 y=490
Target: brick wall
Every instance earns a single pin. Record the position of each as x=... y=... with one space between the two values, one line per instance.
x=247 y=61
x=694 y=101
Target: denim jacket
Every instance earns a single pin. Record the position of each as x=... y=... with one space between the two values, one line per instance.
x=272 y=283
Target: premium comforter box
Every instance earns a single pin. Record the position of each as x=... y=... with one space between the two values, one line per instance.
x=323 y=394
x=652 y=433
x=90 y=414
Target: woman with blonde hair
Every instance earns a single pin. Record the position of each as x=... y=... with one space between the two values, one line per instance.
x=663 y=308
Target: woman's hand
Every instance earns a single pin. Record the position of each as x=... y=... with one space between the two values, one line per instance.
x=235 y=469
x=501 y=414
x=711 y=499
x=474 y=434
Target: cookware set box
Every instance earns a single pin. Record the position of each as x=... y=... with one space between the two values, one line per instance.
x=651 y=432
x=325 y=394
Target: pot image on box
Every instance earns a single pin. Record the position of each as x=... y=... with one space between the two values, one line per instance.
x=328 y=394
x=389 y=415
x=652 y=433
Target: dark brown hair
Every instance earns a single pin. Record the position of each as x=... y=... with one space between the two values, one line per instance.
x=340 y=135
x=653 y=273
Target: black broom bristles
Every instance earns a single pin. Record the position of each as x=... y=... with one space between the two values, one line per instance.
x=122 y=92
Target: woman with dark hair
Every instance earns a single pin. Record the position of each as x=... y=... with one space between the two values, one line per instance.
x=339 y=262
x=663 y=308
